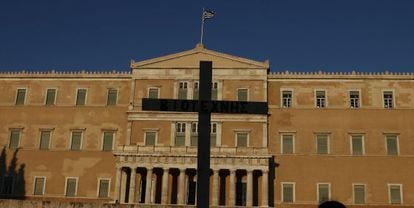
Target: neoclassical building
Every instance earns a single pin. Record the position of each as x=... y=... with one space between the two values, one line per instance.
x=82 y=136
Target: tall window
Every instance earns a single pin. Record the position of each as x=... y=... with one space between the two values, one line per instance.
x=14 y=139
x=359 y=193
x=196 y=90
x=357 y=144
x=392 y=144
x=182 y=90
x=108 y=140
x=76 y=140
x=153 y=93
x=50 y=96
x=194 y=134
x=213 y=134
x=242 y=139
x=288 y=192
x=242 y=94
x=112 y=96
x=354 y=99
x=21 y=96
x=388 y=99
x=103 y=188
x=45 y=140
x=322 y=144
x=287 y=144
x=150 y=138
x=395 y=193
x=39 y=185
x=71 y=186
x=324 y=192
x=214 y=90
x=286 y=98
x=180 y=134
x=81 y=97
x=320 y=96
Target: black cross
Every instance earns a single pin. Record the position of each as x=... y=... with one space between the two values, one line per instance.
x=204 y=106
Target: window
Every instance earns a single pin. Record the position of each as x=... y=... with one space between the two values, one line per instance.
x=395 y=193
x=194 y=134
x=76 y=140
x=21 y=96
x=70 y=188
x=320 y=98
x=180 y=134
x=392 y=144
x=196 y=90
x=103 y=190
x=242 y=139
x=354 y=99
x=287 y=144
x=388 y=99
x=359 y=193
x=288 y=192
x=357 y=145
x=112 y=96
x=153 y=93
x=44 y=140
x=150 y=138
x=322 y=144
x=213 y=135
x=8 y=185
x=108 y=140
x=50 y=96
x=214 y=90
x=14 y=139
x=286 y=98
x=39 y=185
x=81 y=97
x=324 y=192
x=182 y=90
x=242 y=94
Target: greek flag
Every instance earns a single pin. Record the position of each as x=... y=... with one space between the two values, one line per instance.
x=208 y=14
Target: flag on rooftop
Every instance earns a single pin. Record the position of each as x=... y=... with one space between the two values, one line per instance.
x=208 y=14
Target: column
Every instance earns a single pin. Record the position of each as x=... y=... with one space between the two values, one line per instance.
x=165 y=185
x=232 y=188
x=117 y=184
x=148 y=186
x=216 y=188
x=249 y=191
x=132 y=185
x=123 y=186
x=265 y=183
x=181 y=187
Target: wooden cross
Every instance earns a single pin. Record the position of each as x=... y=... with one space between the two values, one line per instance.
x=204 y=106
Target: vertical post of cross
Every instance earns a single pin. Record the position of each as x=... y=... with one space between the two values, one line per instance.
x=203 y=149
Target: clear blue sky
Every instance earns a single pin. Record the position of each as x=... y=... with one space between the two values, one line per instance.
x=306 y=35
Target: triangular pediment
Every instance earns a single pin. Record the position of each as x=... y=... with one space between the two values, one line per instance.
x=191 y=59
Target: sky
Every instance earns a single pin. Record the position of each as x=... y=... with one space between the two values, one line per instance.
x=295 y=35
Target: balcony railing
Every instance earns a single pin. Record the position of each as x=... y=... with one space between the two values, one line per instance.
x=190 y=150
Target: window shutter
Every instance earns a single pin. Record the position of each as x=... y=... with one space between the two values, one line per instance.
x=323 y=192
x=21 y=95
x=287 y=147
x=357 y=145
x=242 y=94
x=39 y=183
x=44 y=140
x=395 y=194
x=359 y=194
x=50 y=96
x=14 y=139
x=195 y=91
x=213 y=139
x=112 y=97
x=287 y=193
x=108 y=141
x=322 y=144
x=214 y=90
x=179 y=139
x=153 y=93
x=182 y=90
x=241 y=139
x=103 y=188
x=392 y=147
x=76 y=140
x=70 y=187
x=81 y=97
x=150 y=138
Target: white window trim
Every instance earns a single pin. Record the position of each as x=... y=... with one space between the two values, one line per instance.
x=103 y=136
x=351 y=142
x=293 y=143
x=54 y=101
x=353 y=192
x=248 y=138
x=34 y=185
x=317 y=191
x=243 y=88
x=98 y=186
x=20 y=136
x=281 y=97
x=107 y=95
x=359 y=99
x=86 y=95
x=386 y=144
x=326 y=97
x=158 y=91
x=328 y=140
x=177 y=88
x=50 y=137
x=156 y=137
x=393 y=98
x=66 y=183
x=282 y=193
x=25 y=94
x=389 y=191
x=71 y=136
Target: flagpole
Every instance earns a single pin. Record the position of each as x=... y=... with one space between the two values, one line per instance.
x=202 y=27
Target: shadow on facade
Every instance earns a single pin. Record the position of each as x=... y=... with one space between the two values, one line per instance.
x=12 y=183
x=272 y=176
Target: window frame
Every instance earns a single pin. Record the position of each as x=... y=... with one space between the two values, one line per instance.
x=293 y=144
x=182 y=123
x=393 y=98
x=317 y=191
x=293 y=192
x=152 y=88
x=103 y=138
x=25 y=96
x=359 y=98
x=99 y=186
x=54 y=100
x=155 y=139
x=186 y=83
x=247 y=95
x=353 y=192
x=76 y=186
x=50 y=138
x=389 y=192
x=19 y=139
x=247 y=132
x=328 y=144
x=282 y=99
x=351 y=142
x=107 y=96
x=386 y=144
x=71 y=137
x=325 y=98
x=86 y=96
x=34 y=185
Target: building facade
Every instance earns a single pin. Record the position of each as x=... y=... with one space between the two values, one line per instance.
x=82 y=136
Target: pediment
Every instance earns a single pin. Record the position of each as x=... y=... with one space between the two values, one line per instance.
x=191 y=59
